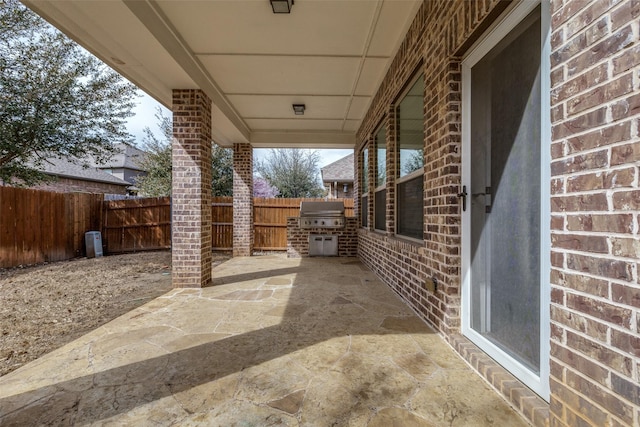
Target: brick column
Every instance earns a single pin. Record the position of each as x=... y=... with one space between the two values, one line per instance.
x=191 y=189
x=243 y=236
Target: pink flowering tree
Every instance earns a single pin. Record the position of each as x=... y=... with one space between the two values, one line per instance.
x=261 y=188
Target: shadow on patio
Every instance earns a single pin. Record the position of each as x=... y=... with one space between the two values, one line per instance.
x=277 y=341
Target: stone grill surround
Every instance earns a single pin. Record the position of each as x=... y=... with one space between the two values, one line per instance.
x=298 y=238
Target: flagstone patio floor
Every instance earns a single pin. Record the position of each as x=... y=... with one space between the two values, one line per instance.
x=273 y=342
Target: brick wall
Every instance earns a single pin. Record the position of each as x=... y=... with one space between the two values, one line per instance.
x=68 y=185
x=191 y=189
x=440 y=32
x=298 y=238
x=243 y=237
x=595 y=203
x=595 y=316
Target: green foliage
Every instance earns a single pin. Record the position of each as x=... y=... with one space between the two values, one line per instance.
x=56 y=100
x=157 y=163
x=294 y=172
x=221 y=171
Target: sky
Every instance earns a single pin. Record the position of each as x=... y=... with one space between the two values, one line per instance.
x=145 y=112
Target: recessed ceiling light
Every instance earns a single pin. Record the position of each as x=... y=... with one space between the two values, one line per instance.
x=298 y=109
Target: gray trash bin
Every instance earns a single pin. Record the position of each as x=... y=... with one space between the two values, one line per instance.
x=93 y=242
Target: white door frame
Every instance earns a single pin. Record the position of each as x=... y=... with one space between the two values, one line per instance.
x=539 y=384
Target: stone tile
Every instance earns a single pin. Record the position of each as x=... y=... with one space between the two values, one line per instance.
x=280 y=343
x=397 y=417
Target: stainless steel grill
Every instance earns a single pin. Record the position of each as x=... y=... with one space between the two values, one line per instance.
x=321 y=215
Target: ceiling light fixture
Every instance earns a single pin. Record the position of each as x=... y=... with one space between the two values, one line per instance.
x=298 y=109
x=281 y=6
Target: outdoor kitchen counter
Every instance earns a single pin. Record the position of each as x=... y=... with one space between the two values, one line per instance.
x=298 y=238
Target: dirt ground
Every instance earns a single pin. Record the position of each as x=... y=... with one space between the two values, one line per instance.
x=46 y=306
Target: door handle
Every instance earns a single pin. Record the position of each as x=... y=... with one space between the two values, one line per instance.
x=464 y=195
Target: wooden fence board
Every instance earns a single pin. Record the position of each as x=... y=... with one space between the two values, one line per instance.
x=137 y=224
x=40 y=226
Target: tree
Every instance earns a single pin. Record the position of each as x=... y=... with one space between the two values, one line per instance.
x=56 y=100
x=261 y=188
x=294 y=172
x=221 y=171
x=157 y=163
x=157 y=160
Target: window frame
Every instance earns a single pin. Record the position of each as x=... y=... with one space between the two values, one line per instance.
x=398 y=180
x=383 y=186
x=364 y=185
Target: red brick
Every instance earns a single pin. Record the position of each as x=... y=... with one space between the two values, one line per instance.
x=611 y=134
x=604 y=267
x=614 y=43
x=626 y=342
x=582 y=283
x=608 y=223
x=629 y=59
x=625 y=388
x=600 y=309
x=577 y=322
x=627 y=295
x=626 y=200
x=584 y=365
x=628 y=11
x=583 y=123
x=585 y=202
x=579 y=242
x=625 y=247
x=599 y=353
x=601 y=396
x=600 y=95
x=623 y=154
x=557 y=223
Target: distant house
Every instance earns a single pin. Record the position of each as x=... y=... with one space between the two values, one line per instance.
x=337 y=178
x=70 y=177
x=124 y=164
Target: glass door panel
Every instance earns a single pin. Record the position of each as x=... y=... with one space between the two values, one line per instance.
x=505 y=194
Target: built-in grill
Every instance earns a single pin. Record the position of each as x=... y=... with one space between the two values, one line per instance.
x=321 y=215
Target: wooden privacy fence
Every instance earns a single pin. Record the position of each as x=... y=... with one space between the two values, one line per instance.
x=145 y=224
x=40 y=226
x=137 y=225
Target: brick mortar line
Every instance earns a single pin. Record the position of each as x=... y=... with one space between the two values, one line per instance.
x=609 y=369
x=607 y=344
x=605 y=191
x=585 y=91
x=595 y=129
x=568 y=406
x=607 y=279
x=595 y=297
x=592 y=234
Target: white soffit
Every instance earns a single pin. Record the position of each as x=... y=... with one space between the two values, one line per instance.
x=279 y=107
x=328 y=54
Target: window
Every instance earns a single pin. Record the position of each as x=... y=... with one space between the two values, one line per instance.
x=410 y=141
x=364 y=198
x=380 y=197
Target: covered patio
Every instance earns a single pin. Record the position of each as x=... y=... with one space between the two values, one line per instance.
x=276 y=341
x=497 y=193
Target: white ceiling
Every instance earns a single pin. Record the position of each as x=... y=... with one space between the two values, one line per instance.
x=330 y=55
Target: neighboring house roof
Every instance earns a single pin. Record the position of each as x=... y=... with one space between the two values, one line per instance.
x=341 y=170
x=126 y=156
x=66 y=169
